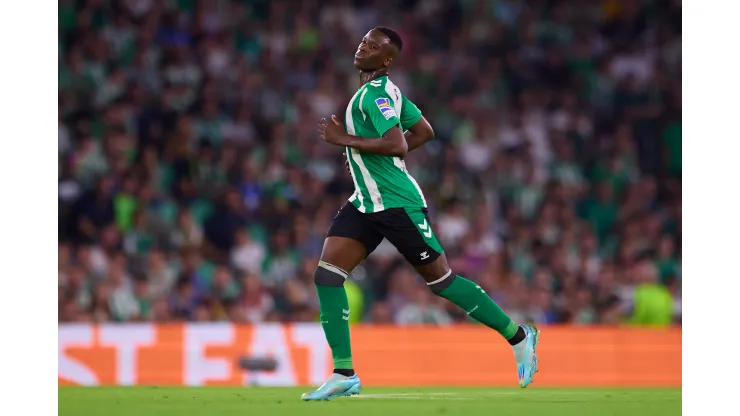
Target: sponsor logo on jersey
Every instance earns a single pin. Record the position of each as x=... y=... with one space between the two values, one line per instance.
x=384 y=105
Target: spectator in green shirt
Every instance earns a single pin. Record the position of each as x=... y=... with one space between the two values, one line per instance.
x=653 y=304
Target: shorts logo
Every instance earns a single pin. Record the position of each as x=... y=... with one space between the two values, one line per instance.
x=426 y=230
x=384 y=105
x=424 y=255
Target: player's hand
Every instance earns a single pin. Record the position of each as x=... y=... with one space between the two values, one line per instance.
x=332 y=133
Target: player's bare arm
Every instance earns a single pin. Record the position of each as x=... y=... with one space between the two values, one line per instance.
x=416 y=136
x=393 y=142
x=419 y=134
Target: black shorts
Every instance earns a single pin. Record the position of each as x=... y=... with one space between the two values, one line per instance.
x=408 y=229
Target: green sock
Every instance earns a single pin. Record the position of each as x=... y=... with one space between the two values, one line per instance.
x=469 y=296
x=334 y=315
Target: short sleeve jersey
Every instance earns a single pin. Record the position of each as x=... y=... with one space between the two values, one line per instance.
x=381 y=182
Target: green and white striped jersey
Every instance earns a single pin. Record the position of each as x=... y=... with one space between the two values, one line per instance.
x=381 y=182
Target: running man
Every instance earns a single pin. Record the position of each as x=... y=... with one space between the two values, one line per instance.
x=388 y=203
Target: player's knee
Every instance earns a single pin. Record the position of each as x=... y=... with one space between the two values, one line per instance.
x=439 y=285
x=329 y=275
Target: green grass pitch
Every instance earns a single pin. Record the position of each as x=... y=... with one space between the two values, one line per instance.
x=253 y=401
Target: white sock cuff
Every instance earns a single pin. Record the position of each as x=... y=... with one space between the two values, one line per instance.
x=332 y=268
x=449 y=272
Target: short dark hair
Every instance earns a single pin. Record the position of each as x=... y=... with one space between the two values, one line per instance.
x=393 y=36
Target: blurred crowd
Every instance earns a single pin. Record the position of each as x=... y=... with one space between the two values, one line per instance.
x=192 y=184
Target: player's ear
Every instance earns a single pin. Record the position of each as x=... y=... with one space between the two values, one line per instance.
x=388 y=61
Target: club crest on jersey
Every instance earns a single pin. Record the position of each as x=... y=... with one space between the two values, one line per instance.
x=384 y=105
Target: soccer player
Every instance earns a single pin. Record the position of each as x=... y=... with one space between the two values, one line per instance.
x=379 y=127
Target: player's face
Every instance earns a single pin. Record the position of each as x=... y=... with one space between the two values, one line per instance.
x=373 y=52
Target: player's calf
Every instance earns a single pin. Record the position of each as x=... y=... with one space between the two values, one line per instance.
x=334 y=308
x=477 y=304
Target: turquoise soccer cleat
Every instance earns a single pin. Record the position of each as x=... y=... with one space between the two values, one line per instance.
x=526 y=356
x=337 y=386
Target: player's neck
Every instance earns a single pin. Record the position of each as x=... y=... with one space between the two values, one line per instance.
x=367 y=76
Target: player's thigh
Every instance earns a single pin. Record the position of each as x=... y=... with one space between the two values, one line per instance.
x=350 y=239
x=435 y=270
x=345 y=253
x=410 y=231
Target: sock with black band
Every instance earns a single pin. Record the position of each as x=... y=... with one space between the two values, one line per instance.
x=518 y=337
x=334 y=315
x=469 y=296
